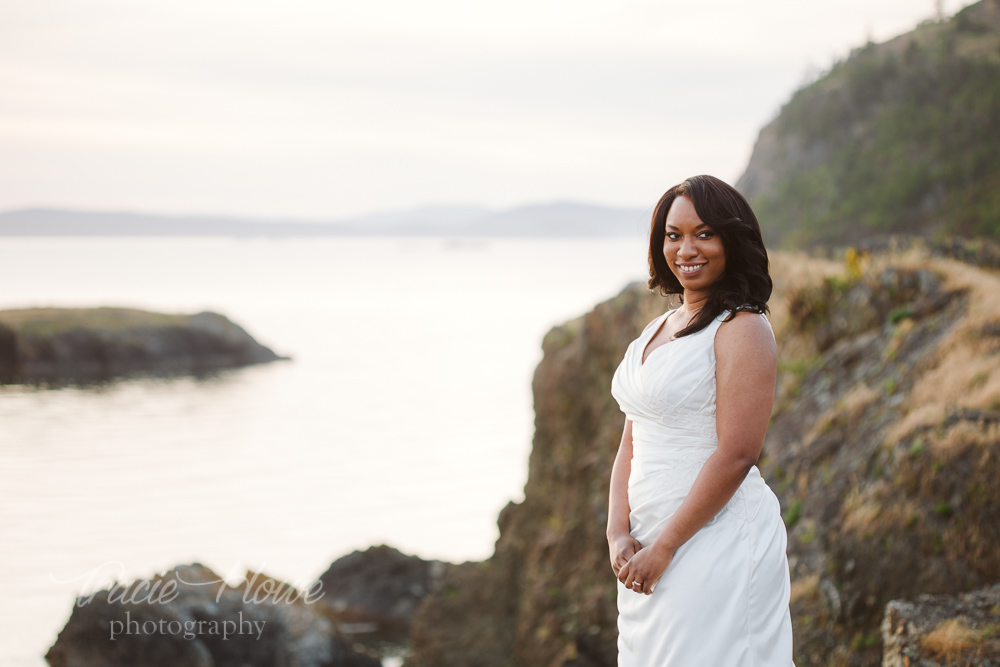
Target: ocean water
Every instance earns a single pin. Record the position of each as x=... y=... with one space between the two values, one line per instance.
x=404 y=417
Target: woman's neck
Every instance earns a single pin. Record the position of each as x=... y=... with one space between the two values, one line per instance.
x=693 y=302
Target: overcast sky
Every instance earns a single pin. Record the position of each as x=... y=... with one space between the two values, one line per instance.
x=320 y=109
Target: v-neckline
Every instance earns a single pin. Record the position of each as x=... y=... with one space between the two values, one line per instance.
x=642 y=362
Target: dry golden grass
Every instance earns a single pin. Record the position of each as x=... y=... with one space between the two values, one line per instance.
x=864 y=518
x=911 y=258
x=792 y=270
x=959 y=372
x=950 y=638
x=51 y=320
x=847 y=410
x=804 y=588
x=853 y=404
x=916 y=415
x=960 y=376
x=876 y=508
x=865 y=510
x=963 y=435
x=984 y=386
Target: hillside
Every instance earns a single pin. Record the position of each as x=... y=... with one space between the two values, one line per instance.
x=899 y=137
x=884 y=448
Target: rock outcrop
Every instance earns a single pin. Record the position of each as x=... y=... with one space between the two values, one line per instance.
x=373 y=594
x=943 y=630
x=547 y=596
x=189 y=616
x=884 y=448
x=67 y=345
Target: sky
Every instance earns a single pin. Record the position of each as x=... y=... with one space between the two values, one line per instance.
x=326 y=109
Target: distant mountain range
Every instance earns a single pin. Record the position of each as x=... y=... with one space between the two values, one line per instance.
x=560 y=219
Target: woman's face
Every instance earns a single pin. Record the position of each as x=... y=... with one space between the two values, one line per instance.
x=689 y=243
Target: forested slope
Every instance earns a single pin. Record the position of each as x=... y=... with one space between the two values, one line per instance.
x=900 y=137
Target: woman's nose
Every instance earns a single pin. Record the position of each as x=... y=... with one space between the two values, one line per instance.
x=687 y=248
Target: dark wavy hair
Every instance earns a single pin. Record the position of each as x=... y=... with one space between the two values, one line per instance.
x=745 y=284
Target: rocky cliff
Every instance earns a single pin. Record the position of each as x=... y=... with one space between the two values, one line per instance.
x=883 y=444
x=883 y=449
x=898 y=137
x=547 y=596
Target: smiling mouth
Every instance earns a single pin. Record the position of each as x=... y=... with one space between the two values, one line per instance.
x=690 y=269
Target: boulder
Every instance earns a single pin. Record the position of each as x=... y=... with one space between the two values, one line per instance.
x=189 y=616
x=372 y=595
x=943 y=630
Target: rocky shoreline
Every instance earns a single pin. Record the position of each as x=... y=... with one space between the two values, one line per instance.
x=360 y=613
x=355 y=614
x=60 y=346
x=883 y=449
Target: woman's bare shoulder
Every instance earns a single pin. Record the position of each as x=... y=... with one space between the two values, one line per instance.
x=747 y=333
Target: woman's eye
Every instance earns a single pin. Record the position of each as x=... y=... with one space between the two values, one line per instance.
x=673 y=236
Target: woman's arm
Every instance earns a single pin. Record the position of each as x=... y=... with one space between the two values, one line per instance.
x=620 y=541
x=746 y=373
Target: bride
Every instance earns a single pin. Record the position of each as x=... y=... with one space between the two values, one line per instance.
x=695 y=535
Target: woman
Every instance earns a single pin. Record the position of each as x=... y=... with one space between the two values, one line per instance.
x=696 y=537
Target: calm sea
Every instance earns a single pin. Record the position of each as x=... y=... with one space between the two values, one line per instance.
x=404 y=418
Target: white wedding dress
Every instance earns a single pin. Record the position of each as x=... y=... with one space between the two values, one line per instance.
x=723 y=601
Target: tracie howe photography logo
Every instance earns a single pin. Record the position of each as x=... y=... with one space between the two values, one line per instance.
x=189 y=611
x=188 y=629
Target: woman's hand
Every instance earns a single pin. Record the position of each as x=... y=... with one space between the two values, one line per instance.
x=645 y=568
x=622 y=548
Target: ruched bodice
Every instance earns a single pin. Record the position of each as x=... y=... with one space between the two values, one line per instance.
x=673 y=392
x=724 y=598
